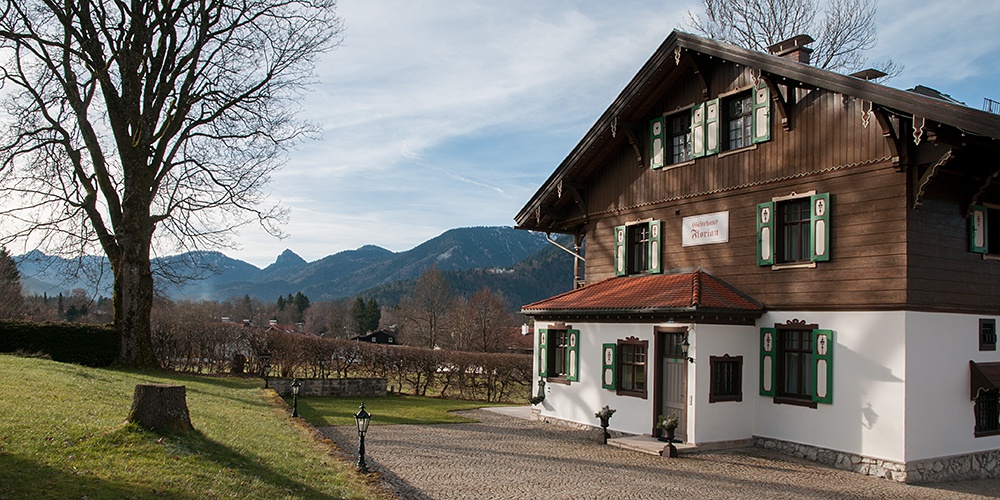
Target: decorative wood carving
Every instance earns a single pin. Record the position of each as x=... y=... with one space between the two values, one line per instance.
x=928 y=176
x=634 y=141
x=891 y=136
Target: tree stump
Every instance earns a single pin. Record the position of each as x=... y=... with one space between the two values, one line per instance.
x=160 y=407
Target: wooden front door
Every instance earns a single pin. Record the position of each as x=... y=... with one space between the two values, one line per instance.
x=673 y=381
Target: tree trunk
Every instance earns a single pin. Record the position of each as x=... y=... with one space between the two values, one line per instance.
x=160 y=407
x=133 y=299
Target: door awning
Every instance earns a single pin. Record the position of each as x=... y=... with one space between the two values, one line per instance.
x=985 y=377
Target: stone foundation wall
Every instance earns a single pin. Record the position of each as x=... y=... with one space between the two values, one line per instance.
x=344 y=387
x=981 y=465
x=536 y=415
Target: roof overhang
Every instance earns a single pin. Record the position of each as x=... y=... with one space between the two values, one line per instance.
x=635 y=97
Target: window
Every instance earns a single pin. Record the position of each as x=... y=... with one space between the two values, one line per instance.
x=796 y=364
x=680 y=138
x=984 y=230
x=987 y=334
x=726 y=382
x=637 y=248
x=632 y=367
x=739 y=121
x=624 y=367
x=558 y=354
x=746 y=120
x=794 y=230
x=987 y=413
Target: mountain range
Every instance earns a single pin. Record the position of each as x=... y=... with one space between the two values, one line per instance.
x=520 y=264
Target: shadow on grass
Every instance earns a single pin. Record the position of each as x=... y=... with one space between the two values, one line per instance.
x=251 y=466
x=22 y=478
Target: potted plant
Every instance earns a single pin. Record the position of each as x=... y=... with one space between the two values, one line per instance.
x=669 y=426
x=605 y=415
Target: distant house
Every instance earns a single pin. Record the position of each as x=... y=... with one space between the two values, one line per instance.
x=378 y=337
x=782 y=256
x=274 y=326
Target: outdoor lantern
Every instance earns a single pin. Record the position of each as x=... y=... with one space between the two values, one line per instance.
x=685 y=346
x=295 y=397
x=265 y=360
x=362 y=418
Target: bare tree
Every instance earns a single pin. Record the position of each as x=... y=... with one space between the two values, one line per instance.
x=424 y=312
x=141 y=125
x=484 y=320
x=844 y=32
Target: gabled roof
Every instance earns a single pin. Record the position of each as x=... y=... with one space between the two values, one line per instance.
x=697 y=294
x=635 y=100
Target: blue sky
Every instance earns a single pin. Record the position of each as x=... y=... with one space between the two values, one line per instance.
x=440 y=114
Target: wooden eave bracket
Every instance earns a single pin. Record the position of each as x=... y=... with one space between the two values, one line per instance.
x=577 y=191
x=982 y=190
x=700 y=71
x=634 y=141
x=892 y=138
x=928 y=176
x=782 y=102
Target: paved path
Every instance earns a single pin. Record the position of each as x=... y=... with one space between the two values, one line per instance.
x=506 y=457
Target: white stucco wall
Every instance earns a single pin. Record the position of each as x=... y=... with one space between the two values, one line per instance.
x=900 y=385
x=940 y=421
x=723 y=420
x=579 y=401
x=869 y=374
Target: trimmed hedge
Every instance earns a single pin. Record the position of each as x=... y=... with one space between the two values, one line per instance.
x=90 y=345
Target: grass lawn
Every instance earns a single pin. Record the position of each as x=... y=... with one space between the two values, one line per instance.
x=321 y=411
x=62 y=435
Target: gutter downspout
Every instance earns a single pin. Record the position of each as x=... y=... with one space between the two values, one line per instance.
x=577 y=258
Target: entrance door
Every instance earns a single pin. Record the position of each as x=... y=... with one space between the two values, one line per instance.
x=673 y=383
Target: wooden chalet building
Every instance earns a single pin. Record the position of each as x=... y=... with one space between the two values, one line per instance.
x=782 y=256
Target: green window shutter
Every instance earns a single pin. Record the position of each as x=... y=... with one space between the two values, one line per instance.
x=765 y=234
x=713 y=134
x=609 y=368
x=698 y=131
x=761 y=113
x=543 y=352
x=573 y=355
x=655 y=254
x=822 y=342
x=657 y=142
x=977 y=230
x=768 y=368
x=620 y=251
x=820 y=222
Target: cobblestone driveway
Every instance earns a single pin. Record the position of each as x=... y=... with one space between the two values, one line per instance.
x=505 y=457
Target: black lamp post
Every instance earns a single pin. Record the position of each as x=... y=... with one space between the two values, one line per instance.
x=265 y=360
x=362 y=418
x=295 y=397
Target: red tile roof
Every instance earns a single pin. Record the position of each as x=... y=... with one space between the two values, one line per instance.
x=694 y=292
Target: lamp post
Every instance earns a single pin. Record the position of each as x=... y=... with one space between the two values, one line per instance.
x=265 y=360
x=295 y=397
x=362 y=418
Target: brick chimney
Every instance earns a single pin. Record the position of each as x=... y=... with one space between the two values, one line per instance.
x=794 y=48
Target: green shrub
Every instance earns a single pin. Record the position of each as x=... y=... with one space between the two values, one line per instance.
x=90 y=345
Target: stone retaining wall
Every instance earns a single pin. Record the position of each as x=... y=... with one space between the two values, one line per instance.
x=981 y=465
x=345 y=387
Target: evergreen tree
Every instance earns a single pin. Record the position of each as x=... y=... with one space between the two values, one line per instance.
x=359 y=313
x=281 y=303
x=373 y=314
x=11 y=300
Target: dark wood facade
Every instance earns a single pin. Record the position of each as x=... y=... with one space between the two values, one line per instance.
x=899 y=204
